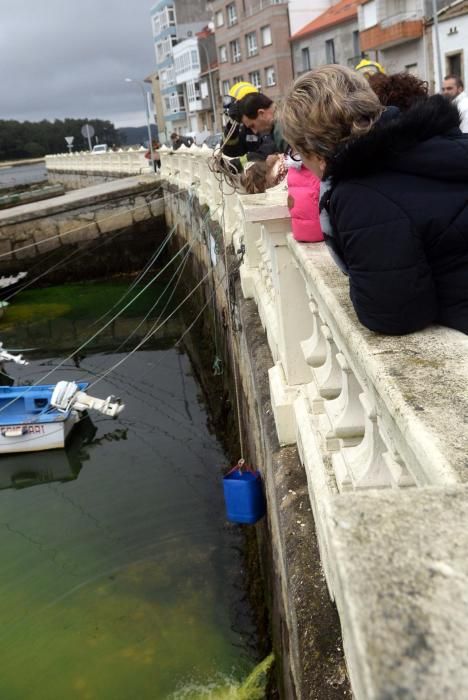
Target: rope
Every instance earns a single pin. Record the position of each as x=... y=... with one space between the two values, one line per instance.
x=222 y=167
x=78 y=253
x=181 y=267
x=89 y=340
x=231 y=330
x=150 y=333
x=139 y=277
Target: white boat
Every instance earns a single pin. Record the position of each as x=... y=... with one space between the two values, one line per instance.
x=34 y=418
x=26 y=469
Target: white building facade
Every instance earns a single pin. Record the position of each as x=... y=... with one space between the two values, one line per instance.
x=453 y=38
x=172 y=22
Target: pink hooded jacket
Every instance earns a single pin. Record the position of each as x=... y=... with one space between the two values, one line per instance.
x=303 y=203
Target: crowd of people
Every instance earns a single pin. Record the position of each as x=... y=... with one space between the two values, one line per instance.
x=377 y=168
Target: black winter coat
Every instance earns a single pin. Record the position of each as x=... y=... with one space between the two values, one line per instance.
x=399 y=214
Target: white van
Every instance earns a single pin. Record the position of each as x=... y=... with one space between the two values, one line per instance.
x=100 y=148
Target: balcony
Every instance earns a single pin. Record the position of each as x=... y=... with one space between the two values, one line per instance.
x=387 y=33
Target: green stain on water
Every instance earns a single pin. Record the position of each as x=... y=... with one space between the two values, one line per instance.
x=88 y=300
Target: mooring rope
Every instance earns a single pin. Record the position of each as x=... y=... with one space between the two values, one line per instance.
x=77 y=254
x=98 y=332
x=231 y=331
x=151 y=332
x=180 y=268
x=141 y=275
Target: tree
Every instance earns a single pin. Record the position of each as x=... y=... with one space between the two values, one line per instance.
x=35 y=139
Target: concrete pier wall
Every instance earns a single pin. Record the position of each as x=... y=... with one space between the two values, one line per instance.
x=361 y=440
x=32 y=231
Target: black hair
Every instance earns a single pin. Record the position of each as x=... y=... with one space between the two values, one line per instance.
x=251 y=103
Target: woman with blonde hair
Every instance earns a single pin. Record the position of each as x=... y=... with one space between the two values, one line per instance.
x=394 y=197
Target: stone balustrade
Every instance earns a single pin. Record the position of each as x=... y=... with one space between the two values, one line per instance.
x=113 y=163
x=380 y=427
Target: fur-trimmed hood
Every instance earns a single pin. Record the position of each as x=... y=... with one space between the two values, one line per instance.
x=426 y=140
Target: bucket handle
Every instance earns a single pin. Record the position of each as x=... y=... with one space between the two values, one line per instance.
x=241 y=464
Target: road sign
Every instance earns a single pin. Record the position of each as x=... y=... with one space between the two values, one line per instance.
x=87 y=131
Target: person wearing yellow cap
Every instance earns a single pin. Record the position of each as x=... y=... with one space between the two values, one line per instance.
x=256 y=135
x=238 y=139
x=241 y=89
x=367 y=67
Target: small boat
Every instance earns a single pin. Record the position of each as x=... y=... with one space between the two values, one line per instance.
x=41 y=417
x=26 y=469
x=11 y=284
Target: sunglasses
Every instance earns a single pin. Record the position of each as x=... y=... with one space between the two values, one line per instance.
x=294 y=155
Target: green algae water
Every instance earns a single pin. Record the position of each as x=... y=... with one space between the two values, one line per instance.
x=120 y=578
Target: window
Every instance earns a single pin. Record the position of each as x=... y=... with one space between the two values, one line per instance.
x=330 y=51
x=305 y=53
x=356 y=45
x=195 y=59
x=412 y=68
x=219 y=18
x=223 y=57
x=266 y=35
x=237 y=79
x=171 y=16
x=251 y=43
x=231 y=14
x=193 y=94
x=270 y=76
x=156 y=25
x=176 y=102
x=254 y=78
x=225 y=87
x=235 y=51
x=167 y=17
x=454 y=64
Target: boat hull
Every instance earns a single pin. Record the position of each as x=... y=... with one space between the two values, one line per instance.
x=34 y=437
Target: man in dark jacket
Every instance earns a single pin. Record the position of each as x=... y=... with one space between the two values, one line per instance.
x=258 y=135
x=397 y=201
x=178 y=140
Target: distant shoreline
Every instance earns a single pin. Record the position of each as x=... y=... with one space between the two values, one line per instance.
x=18 y=163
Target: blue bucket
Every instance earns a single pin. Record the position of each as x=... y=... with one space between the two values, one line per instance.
x=243 y=495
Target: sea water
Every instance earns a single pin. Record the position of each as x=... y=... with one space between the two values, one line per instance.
x=120 y=578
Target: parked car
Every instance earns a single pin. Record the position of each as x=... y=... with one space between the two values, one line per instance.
x=100 y=148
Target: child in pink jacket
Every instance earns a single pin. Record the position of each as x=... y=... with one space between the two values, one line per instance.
x=303 y=192
x=303 y=203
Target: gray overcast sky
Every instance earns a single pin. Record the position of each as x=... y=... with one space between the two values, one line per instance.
x=69 y=58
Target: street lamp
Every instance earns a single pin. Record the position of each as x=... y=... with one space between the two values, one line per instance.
x=141 y=84
x=210 y=79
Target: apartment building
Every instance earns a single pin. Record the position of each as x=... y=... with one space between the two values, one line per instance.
x=392 y=32
x=333 y=37
x=195 y=67
x=174 y=21
x=252 y=40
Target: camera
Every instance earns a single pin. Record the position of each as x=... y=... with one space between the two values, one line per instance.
x=232 y=109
